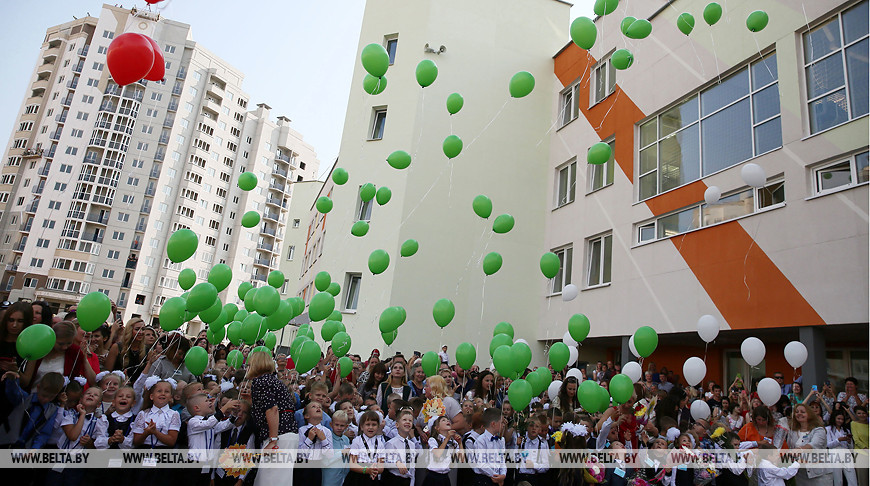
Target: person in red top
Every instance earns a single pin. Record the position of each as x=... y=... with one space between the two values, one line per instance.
x=65 y=358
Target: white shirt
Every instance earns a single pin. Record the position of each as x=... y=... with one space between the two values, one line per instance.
x=57 y=436
x=537 y=450
x=368 y=450
x=389 y=428
x=316 y=446
x=445 y=358
x=770 y=475
x=201 y=436
x=102 y=442
x=91 y=428
x=397 y=451
x=485 y=446
x=165 y=419
x=442 y=465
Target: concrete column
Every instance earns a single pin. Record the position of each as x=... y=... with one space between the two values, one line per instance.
x=815 y=370
x=625 y=353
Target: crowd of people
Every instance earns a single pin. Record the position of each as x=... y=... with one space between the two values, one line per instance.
x=126 y=386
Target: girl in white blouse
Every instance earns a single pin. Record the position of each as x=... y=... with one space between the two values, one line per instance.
x=157 y=426
x=367 y=452
x=442 y=441
x=840 y=438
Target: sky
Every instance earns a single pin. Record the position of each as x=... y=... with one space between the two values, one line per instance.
x=297 y=55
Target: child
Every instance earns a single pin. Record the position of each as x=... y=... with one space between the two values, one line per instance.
x=536 y=449
x=109 y=382
x=394 y=402
x=156 y=427
x=201 y=430
x=31 y=421
x=366 y=452
x=333 y=472
x=490 y=472
x=352 y=428
x=79 y=431
x=118 y=424
x=442 y=441
x=67 y=401
x=240 y=436
x=319 y=392
x=315 y=438
x=401 y=452
x=767 y=473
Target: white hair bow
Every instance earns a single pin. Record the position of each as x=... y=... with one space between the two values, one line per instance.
x=101 y=375
x=575 y=429
x=81 y=380
x=172 y=383
x=151 y=381
x=65 y=381
x=120 y=374
x=225 y=386
x=213 y=377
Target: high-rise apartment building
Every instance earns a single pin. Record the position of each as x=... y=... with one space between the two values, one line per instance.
x=97 y=176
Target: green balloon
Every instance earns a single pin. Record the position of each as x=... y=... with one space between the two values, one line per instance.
x=621 y=388
x=584 y=32
x=443 y=312
x=171 y=313
x=501 y=358
x=367 y=192
x=491 y=263
x=499 y=340
x=240 y=315
x=522 y=83
x=341 y=343
x=622 y=59
x=247 y=181
x=306 y=330
x=186 y=278
x=220 y=276
x=521 y=356
x=603 y=398
x=399 y=159
x=251 y=328
x=235 y=358
x=93 y=311
x=375 y=61
x=391 y=318
x=482 y=206
x=537 y=383
x=231 y=310
x=599 y=153
x=296 y=345
x=297 y=304
x=196 y=360
x=383 y=195
x=334 y=289
x=454 y=103
x=373 y=85
x=559 y=356
x=452 y=146
x=275 y=279
x=345 y=366
x=645 y=341
x=379 y=260
x=323 y=205
x=322 y=281
x=270 y=340
x=520 y=394
x=244 y=287
x=409 y=248
x=389 y=337
x=712 y=13
x=550 y=264
x=35 y=342
x=181 y=246
x=201 y=297
x=251 y=219
x=334 y=316
x=280 y=317
x=686 y=23
x=465 y=355
x=503 y=328
x=215 y=335
x=545 y=375
x=757 y=21
x=321 y=305
x=267 y=300
x=604 y=7
x=427 y=71
x=234 y=334
x=339 y=176
x=625 y=24
x=262 y=349
x=578 y=327
x=307 y=356
x=249 y=300
x=639 y=29
x=431 y=363
x=213 y=312
x=360 y=228
x=328 y=330
x=503 y=223
x=587 y=394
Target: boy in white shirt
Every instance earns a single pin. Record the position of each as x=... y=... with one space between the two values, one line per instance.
x=536 y=448
x=768 y=473
x=203 y=426
x=490 y=470
x=317 y=439
x=401 y=453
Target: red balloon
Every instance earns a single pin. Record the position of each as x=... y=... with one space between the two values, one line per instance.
x=152 y=2
x=130 y=58
x=158 y=68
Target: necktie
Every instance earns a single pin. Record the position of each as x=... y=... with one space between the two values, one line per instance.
x=234 y=436
x=407 y=454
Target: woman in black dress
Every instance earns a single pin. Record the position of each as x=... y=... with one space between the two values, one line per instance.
x=273 y=415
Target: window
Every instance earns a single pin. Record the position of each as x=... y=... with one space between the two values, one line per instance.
x=37 y=262
x=566 y=260
x=118 y=235
x=598 y=263
x=730 y=122
x=295 y=223
x=379 y=120
x=836 y=70
x=352 y=285
x=114 y=254
x=601 y=175
x=392 y=44
x=566 y=182
x=108 y=34
x=291 y=252
x=108 y=273
x=42 y=243
x=364 y=209
x=604 y=81
x=569 y=108
x=842 y=173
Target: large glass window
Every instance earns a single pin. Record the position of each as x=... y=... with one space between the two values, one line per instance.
x=568 y=106
x=379 y=121
x=599 y=254
x=566 y=183
x=352 y=285
x=836 y=68
x=721 y=126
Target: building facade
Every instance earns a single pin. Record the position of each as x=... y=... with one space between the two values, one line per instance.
x=97 y=176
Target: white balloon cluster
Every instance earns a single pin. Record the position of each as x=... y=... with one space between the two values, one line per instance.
x=573 y=352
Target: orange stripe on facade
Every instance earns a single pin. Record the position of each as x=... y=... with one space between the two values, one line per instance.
x=741 y=280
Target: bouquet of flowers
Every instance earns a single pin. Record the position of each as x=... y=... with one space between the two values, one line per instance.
x=593 y=471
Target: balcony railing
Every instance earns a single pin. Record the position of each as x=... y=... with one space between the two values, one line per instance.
x=172 y=106
x=277 y=187
x=255 y=276
x=66 y=101
x=149 y=191
x=32 y=152
x=131 y=264
x=134 y=95
x=43 y=171
x=272 y=216
x=146 y=208
x=78 y=67
x=60 y=118
x=72 y=83
x=95 y=237
x=55 y=135
x=282 y=157
x=280 y=172
x=20 y=247
x=262 y=262
x=176 y=90
x=155 y=173
x=96 y=218
x=32 y=207
x=84 y=50
x=104 y=200
x=265 y=246
x=160 y=156
x=140 y=227
x=168 y=121
x=182 y=73
x=276 y=202
x=268 y=231
x=92 y=159
x=108 y=107
x=113 y=90
x=37 y=189
x=164 y=139
x=136 y=245
x=50 y=153
x=26 y=226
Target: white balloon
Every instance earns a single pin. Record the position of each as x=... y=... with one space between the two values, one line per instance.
x=708 y=328
x=795 y=354
x=522 y=341
x=568 y=340
x=753 y=175
x=633 y=370
x=752 y=350
x=569 y=292
x=632 y=348
x=712 y=195
x=553 y=389
x=573 y=354
x=576 y=374
x=700 y=410
x=769 y=391
x=694 y=370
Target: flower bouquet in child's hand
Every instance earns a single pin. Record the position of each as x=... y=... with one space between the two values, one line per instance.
x=593 y=471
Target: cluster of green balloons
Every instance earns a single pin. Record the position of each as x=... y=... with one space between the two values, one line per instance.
x=593 y=397
x=390 y=321
x=375 y=61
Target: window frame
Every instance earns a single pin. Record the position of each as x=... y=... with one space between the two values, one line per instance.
x=569 y=168
x=590 y=242
x=394 y=40
x=353 y=291
x=604 y=65
x=855 y=179
x=565 y=253
x=572 y=91
x=378 y=113
x=608 y=169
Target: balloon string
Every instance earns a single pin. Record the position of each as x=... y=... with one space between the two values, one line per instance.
x=746 y=259
x=705 y=351
x=716 y=57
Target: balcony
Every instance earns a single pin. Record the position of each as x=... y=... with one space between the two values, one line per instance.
x=66 y=101
x=272 y=216
x=176 y=90
x=61 y=118
x=26 y=226
x=113 y=163
x=155 y=172
x=279 y=172
x=267 y=231
x=168 y=121
x=112 y=90
x=32 y=153
x=256 y=276
x=149 y=191
x=159 y=156
x=43 y=171
x=128 y=112
x=78 y=67
x=82 y=196
x=262 y=262
x=40 y=84
x=95 y=237
x=20 y=247
x=136 y=245
x=92 y=159
x=146 y=208
x=31 y=208
x=11 y=267
x=55 y=135
x=132 y=262
x=181 y=74
x=134 y=95
x=265 y=246
x=97 y=142
x=37 y=189
x=140 y=227
x=96 y=218
x=164 y=139
x=102 y=200
x=173 y=106
x=72 y=83
x=108 y=107
x=117 y=146
x=84 y=50
x=276 y=202
x=51 y=152
x=282 y=158
x=276 y=186
x=68 y=233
